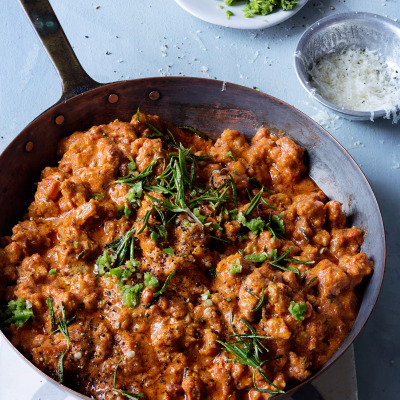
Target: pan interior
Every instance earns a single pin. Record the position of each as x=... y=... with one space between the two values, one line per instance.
x=210 y=106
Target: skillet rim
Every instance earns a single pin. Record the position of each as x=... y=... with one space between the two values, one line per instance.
x=13 y=145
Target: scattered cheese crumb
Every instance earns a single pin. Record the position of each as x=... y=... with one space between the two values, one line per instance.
x=396 y=165
x=326 y=119
x=256 y=54
x=78 y=355
x=199 y=40
x=130 y=354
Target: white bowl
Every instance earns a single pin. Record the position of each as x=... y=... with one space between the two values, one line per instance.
x=208 y=11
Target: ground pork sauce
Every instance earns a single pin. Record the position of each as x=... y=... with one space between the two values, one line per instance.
x=170 y=254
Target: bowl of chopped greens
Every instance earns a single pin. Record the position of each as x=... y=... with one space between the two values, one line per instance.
x=243 y=14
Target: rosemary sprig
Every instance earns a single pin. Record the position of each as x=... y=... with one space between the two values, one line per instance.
x=194 y=130
x=309 y=284
x=49 y=302
x=234 y=191
x=247 y=349
x=253 y=203
x=63 y=325
x=156 y=134
x=125 y=393
x=164 y=288
x=63 y=328
x=273 y=259
x=260 y=302
x=258 y=185
x=61 y=367
x=120 y=249
x=130 y=178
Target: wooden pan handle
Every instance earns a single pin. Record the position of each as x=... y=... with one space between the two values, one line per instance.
x=74 y=78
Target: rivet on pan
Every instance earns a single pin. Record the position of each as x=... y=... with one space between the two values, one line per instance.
x=60 y=119
x=154 y=95
x=29 y=146
x=113 y=98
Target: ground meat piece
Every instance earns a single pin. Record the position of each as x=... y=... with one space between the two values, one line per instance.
x=345 y=241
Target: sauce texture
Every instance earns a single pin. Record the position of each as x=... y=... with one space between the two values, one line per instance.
x=169 y=254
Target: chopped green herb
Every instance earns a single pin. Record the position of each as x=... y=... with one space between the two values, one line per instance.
x=103 y=263
x=150 y=280
x=53 y=271
x=266 y=7
x=202 y=218
x=206 y=295
x=257 y=257
x=298 y=310
x=17 y=312
x=154 y=236
x=236 y=268
x=131 y=295
x=134 y=194
x=216 y=227
x=228 y=14
x=99 y=196
x=162 y=290
x=131 y=164
x=242 y=237
x=230 y=155
x=169 y=251
x=127 y=212
x=121 y=273
x=256 y=225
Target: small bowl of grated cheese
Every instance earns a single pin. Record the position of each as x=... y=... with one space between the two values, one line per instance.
x=350 y=63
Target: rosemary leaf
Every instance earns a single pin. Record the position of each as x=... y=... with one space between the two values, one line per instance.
x=49 y=302
x=260 y=302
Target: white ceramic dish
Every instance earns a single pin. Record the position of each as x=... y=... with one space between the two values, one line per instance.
x=208 y=11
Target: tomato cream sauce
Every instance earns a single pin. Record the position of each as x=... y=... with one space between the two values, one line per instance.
x=170 y=345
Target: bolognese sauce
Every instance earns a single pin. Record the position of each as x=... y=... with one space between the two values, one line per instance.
x=155 y=263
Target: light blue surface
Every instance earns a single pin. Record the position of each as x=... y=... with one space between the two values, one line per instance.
x=156 y=37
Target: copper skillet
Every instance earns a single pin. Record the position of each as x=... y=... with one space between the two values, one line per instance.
x=208 y=105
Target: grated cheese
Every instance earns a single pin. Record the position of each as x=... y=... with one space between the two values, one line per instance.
x=358 y=80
